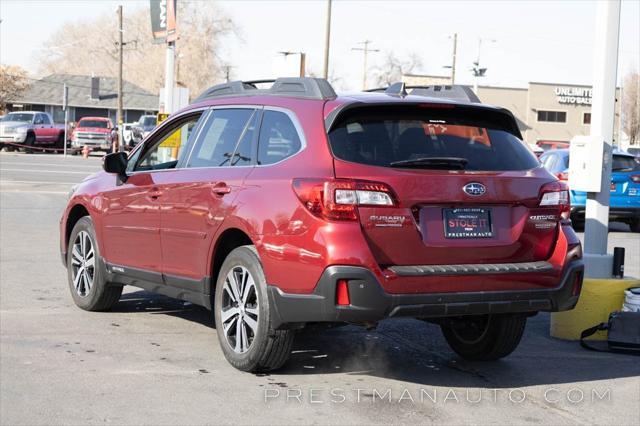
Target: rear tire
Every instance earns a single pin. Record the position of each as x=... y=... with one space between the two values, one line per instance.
x=242 y=315
x=635 y=225
x=85 y=270
x=60 y=141
x=485 y=337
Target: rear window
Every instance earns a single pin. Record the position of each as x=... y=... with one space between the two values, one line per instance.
x=93 y=123
x=622 y=163
x=391 y=139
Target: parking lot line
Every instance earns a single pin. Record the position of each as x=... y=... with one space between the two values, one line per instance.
x=3 y=169
x=37 y=182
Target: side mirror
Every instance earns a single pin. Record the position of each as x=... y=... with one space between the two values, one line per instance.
x=116 y=162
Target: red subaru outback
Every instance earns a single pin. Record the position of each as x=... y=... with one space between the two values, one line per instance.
x=282 y=206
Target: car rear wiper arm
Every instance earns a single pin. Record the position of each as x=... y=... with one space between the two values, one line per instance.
x=455 y=163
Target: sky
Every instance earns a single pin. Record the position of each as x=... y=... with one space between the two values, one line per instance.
x=523 y=41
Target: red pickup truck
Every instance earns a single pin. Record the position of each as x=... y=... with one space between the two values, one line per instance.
x=97 y=133
x=29 y=129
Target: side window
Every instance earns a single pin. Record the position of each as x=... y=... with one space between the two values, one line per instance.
x=38 y=119
x=45 y=119
x=168 y=148
x=226 y=139
x=278 y=138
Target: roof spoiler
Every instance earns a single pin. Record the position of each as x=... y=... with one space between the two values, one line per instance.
x=298 y=87
x=453 y=92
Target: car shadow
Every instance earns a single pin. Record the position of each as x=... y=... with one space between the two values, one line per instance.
x=413 y=351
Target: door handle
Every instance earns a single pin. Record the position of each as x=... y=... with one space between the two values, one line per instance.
x=154 y=193
x=221 y=189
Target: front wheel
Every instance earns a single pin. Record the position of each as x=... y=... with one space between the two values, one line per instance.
x=484 y=337
x=242 y=316
x=87 y=281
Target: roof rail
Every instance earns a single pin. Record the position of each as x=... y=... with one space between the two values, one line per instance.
x=298 y=87
x=454 y=92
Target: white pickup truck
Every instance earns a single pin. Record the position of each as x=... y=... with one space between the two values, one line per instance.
x=30 y=129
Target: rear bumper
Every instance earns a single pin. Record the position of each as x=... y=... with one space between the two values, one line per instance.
x=369 y=301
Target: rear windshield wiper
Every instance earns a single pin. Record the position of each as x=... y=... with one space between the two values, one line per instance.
x=442 y=163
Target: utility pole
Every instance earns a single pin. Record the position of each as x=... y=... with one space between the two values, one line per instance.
x=303 y=60
x=598 y=263
x=365 y=51
x=227 y=70
x=303 y=64
x=327 y=41
x=119 y=116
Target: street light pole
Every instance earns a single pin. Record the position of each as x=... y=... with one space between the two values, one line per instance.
x=119 y=118
x=327 y=41
x=453 y=59
x=366 y=51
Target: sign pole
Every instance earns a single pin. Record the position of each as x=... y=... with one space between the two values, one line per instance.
x=65 y=108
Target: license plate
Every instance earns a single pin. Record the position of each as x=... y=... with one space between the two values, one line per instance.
x=467 y=223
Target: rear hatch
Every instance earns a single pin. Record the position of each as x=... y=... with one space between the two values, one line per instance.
x=625 y=181
x=466 y=189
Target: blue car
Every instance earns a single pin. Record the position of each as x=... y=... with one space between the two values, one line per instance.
x=625 y=187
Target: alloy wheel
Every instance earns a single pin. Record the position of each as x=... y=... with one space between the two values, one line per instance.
x=83 y=262
x=239 y=309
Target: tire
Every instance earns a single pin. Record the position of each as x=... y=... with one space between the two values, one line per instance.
x=485 y=337
x=92 y=292
x=29 y=142
x=264 y=349
x=60 y=141
x=635 y=225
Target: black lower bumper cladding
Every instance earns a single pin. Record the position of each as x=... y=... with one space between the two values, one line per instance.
x=369 y=301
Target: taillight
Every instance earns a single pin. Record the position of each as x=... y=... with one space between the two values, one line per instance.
x=562 y=176
x=556 y=194
x=339 y=199
x=635 y=178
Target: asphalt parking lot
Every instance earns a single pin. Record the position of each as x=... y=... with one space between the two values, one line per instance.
x=154 y=360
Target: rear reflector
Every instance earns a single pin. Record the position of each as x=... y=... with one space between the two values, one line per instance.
x=342 y=293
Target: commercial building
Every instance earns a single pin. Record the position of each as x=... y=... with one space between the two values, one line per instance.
x=550 y=112
x=46 y=95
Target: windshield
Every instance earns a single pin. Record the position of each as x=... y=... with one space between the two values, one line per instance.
x=148 y=121
x=418 y=139
x=19 y=116
x=93 y=123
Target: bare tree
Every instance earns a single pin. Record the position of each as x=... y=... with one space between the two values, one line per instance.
x=631 y=107
x=13 y=81
x=393 y=68
x=89 y=48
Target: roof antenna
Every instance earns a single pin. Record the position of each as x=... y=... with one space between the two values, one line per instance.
x=396 y=89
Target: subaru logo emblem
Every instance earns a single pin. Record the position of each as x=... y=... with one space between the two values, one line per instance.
x=474 y=188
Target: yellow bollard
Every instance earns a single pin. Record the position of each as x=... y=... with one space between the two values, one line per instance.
x=599 y=297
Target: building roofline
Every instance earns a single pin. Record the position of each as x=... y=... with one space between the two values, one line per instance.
x=127 y=108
